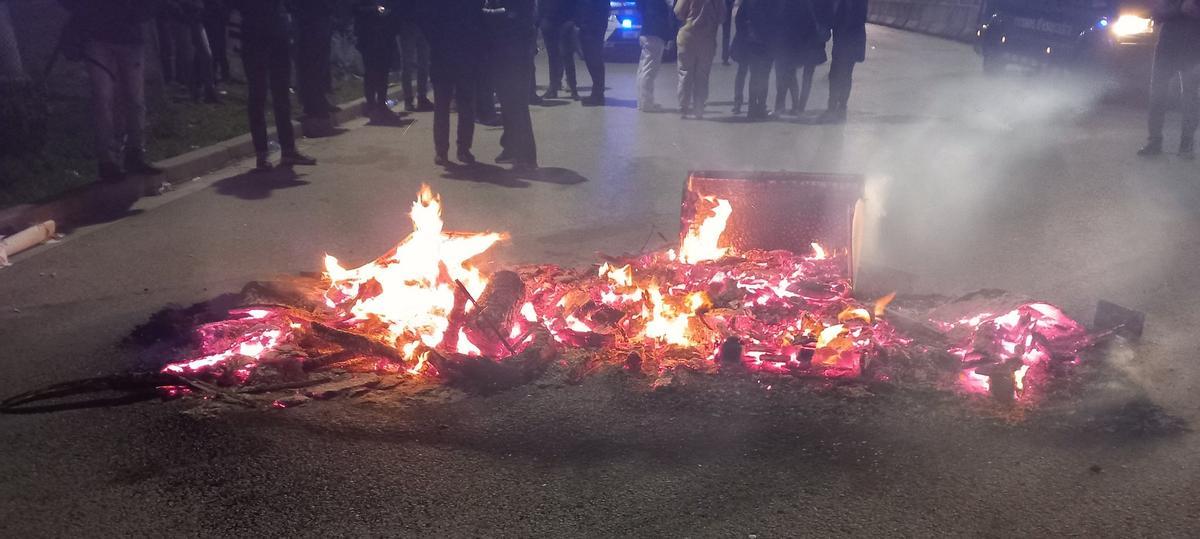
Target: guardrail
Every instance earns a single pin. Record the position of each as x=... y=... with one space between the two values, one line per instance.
x=954 y=19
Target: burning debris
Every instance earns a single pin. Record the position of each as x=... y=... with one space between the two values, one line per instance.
x=423 y=310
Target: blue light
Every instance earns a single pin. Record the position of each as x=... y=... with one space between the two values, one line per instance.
x=627 y=24
x=1103 y=23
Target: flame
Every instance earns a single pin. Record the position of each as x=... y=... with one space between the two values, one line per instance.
x=465 y=346
x=819 y=252
x=622 y=276
x=666 y=321
x=253 y=346
x=854 y=313
x=411 y=290
x=701 y=242
x=881 y=304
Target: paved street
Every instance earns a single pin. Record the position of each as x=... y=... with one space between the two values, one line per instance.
x=1019 y=183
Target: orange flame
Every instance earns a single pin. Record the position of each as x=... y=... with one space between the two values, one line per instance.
x=881 y=304
x=701 y=242
x=411 y=289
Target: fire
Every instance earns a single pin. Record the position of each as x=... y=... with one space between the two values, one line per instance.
x=411 y=290
x=819 y=252
x=702 y=240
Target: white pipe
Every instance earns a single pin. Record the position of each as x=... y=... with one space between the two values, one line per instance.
x=25 y=239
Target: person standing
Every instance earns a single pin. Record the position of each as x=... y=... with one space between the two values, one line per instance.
x=414 y=59
x=656 y=32
x=799 y=43
x=110 y=37
x=454 y=28
x=848 y=23
x=592 y=18
x=738 y=50
x=267 y=60
x=755 y=22
x=727 y=31
x=556 y=19
x=510 y=28
x=697 y=43
x=1176 y=55
x=314 y=43
x=216 y=27
x=375 y=26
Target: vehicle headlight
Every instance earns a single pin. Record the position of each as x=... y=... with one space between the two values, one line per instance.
x=1132 y=25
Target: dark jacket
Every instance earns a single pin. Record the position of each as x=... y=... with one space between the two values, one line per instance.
x=454 y=29
x=1178 y=35
x=556 y=11
x=262 y=20
x=849 y=26
x=592 y=12
x=375 y=24
x=755 y=27
x=118 y=22
x=510 y=23
x=801 y=32
x=657 y=19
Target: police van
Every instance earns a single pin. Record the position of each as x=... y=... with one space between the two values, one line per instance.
x=1113 y=37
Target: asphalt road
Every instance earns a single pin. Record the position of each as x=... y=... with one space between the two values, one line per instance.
x=1023 y=183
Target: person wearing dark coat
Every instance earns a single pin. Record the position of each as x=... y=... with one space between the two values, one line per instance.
x=414 y=58
x=1176 y=55
x=727 y=32
x=556 y=20
x=848 y=22
x=592 y=18
x=657 y=30
x=799 y=43
x=510 y=29
x=267 y=61
x=375 y=27
x=193 y=55
x=454 y=29
x=314 y=45
x=110 y=37
x=752 y=47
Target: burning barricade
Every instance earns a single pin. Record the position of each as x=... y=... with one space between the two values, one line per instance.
x=713 y=305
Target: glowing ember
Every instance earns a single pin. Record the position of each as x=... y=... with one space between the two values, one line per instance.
x=702 y=241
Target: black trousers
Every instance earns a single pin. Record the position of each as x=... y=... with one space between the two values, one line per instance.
x=739 y=83
x=511 y=73
x=313 y=50
x=377 y=65
x=216 y=25
x=560 y=53
x=760 y=86
x=1165 y=75
x=415 y=64
x=454 y=84
x=268 y=67
x=591 y=43
x=841 y=78
x=785 y=83
x=727 y=30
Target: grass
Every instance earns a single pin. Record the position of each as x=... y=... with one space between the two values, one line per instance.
x=175 y=125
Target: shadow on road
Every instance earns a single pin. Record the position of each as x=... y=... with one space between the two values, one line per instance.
x=483 y=173
x=259 y=185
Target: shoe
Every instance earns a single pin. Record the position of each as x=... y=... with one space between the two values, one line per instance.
x=494 y=121
x=574 y=95
x=330 y=108
x=1151 y=149
x=550 y=94
x=737 y=107
x=504 y=158
x=263 y=163
x=593 y=101
x=465 y=157
x=699 y=115
x=410 y=106
x=424 y=105
x=136 y=165
x=535 y=99
x=294 y=158
x=652 y=107
x=111 y=172
x=441 y=160
x=1187 y=149
x=833 y=116
x=385 y=116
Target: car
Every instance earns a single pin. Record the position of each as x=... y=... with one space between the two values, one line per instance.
x=624 y=28
x=1113 y=37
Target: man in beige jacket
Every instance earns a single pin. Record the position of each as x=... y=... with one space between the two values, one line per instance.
x=697 y=42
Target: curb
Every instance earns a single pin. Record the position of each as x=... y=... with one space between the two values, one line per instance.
x=98 y=201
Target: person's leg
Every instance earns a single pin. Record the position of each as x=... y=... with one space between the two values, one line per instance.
x=726 y=32
x=423 y=69
x=131 y=77
x=806 y=81
x=1190 y=108
x=648 y=66
x=684 y=63
x=760 y=77
x=567 y=37
x=703 y=69
x=739 y=86
x=1161 y=78
x=408 y=66
x=215 y=27
x=839 y=91
x=205 y=76
x=185 y=56
x=551 y=37
x=512 y=87
x=591 y=36
x=443 y=94
x=464 y=99
x=102 y=70
x=255 y=62
x=166 y=48
x=847 y=85
x=783 y=72
x=280 y=76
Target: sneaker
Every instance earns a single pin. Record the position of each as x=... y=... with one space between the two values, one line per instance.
x=594 y=100
x=294 y=158
x=424 y=105
x=550 y=94
x=111 y=172
x=441 y=160
x=136 y=165
x=1151 y=149
x=504 y=158
x=466 y=157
